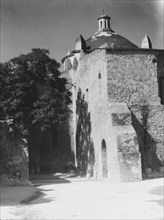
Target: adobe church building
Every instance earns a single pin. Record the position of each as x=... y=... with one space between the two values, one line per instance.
x=117 y=120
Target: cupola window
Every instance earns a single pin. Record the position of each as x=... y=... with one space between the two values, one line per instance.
x=104 y=22
x=101 y=24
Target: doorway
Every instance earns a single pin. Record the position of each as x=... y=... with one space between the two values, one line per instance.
x=104 y=159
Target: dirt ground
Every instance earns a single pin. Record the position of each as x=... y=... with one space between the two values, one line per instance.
x=73 y=198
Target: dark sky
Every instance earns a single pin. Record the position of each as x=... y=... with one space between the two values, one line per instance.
x=55 y=24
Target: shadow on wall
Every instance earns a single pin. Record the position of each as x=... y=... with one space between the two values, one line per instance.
x=147 y=146
x=85 y=148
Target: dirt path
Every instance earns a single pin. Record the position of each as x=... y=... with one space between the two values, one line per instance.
x=93 y=200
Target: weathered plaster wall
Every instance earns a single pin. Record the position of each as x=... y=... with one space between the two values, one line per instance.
x=133 y=79
x=90 y=78
x=92 y=119
x=101 y=80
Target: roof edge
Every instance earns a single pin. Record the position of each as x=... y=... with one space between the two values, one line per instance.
x=70 y=55
x=117 y=49
x=134 y=49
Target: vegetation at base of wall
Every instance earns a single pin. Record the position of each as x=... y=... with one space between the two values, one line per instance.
x=13 y=156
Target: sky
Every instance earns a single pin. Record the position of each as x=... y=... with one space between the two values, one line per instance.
x=55 y=24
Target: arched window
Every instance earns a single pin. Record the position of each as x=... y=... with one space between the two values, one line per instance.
x=104 y=159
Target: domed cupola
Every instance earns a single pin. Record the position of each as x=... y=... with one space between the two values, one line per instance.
x=104 y=23
x=105 y=37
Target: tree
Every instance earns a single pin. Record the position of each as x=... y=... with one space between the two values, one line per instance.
x=32 y=92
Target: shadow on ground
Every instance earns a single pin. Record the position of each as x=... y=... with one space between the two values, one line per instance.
x=44 y=179
x=15 y=195
x=37 y=198
x=159 y=191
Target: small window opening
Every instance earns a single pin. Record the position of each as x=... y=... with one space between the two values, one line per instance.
x=101 y=24
x=161 y=89
x=87 y=94
x=105 y=24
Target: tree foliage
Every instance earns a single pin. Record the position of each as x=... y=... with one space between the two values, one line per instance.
x=32 y=91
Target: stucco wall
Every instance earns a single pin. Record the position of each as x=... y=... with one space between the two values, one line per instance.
x=92 y=119
x=89 y=78
x=103 y=79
